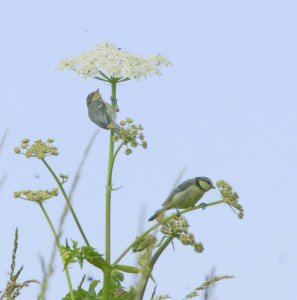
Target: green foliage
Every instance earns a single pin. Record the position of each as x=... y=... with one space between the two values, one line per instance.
x=78 y=255
x=81 y=294
x=117 y=291
x=172 y=227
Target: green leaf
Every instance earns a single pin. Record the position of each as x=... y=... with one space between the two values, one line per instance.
x=95 y=258
x=74 y=254
x=81 y=294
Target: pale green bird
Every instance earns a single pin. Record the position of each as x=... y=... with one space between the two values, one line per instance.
x=101 y=112
x=185 y=195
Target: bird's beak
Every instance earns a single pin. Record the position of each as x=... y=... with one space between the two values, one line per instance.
x=213 y=187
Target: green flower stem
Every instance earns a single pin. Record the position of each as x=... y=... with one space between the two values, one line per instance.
x=111 y=159
x=124 y=79
x=59 y=247
x=114 y=157
x=164 y=221
x=67 y=201
x=101 y=79
x=109 y=184
x=160 y=250
x=152 y=262
x=105 y=76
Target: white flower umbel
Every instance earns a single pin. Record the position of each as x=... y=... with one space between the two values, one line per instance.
x=107 y=62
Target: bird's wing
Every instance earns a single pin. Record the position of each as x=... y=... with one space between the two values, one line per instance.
x=111 y=112
x=181 y=187
x=102 y=116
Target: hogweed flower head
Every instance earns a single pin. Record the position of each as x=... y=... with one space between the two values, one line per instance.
x=36 y=196
x=187 y=238
x=230 y=197
x=175 y=226
x=38 y=149
x=149 y=241
x=107 y=62
x=178 y=226
x=131 y=135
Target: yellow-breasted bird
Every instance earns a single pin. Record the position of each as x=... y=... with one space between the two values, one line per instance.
x=185 y=195
x=102 y=113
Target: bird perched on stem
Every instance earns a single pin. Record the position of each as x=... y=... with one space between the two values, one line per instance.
x=102 y=113
x=185 y=195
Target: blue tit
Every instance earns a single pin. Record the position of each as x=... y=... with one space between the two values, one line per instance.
x=101 y=112
x=185 y=195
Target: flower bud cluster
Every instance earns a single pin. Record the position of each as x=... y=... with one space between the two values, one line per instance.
x=131 y=135
x=36 y=196
x=178 y=226
x=230 y=196
x=38 y=149
x=117 y=276
x=149 y=241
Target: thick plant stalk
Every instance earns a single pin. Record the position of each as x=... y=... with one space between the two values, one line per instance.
x=144 y=280
x=106 y=287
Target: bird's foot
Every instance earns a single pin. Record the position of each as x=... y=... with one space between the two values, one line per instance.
x=115 y=189
x=203 y=205
x=178 y=213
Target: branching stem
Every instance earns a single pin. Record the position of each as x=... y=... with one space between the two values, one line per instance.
x=67 y=201
x=112 y=156
x=160 y=223
x=59 y=247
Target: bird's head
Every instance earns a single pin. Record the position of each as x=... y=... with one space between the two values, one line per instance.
x=93 y=96
x=204 y=183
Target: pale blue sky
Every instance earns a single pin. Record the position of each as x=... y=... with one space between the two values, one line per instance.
x=226 y=110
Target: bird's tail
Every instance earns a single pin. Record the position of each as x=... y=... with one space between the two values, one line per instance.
x=157 y=214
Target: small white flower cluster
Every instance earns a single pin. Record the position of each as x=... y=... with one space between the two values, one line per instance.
x=114 y=62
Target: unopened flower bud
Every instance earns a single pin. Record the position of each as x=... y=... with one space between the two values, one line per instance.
x=17 y=150
x=128 y=151
x=198 y=247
